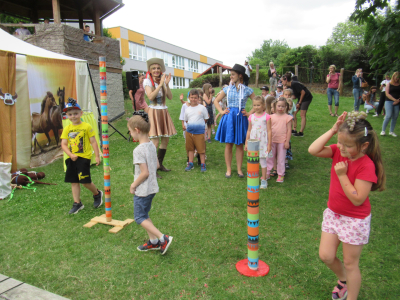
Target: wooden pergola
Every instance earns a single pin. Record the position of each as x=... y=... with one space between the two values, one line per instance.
x=90 y=11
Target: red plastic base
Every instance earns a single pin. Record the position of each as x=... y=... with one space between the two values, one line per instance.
x=243 y=269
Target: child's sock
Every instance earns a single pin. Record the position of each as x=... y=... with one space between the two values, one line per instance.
x=154 y=242
x=162 y=239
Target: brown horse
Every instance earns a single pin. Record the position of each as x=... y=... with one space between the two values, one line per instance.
x=55 y=114
x=41 y=122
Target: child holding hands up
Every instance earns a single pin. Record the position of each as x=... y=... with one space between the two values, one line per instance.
x=356 y=170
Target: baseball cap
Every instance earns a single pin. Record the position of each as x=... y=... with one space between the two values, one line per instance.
x=280 y=86
x=72 y=104
x=265 y=88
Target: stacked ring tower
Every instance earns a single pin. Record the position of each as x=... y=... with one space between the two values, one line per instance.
x=252 y=266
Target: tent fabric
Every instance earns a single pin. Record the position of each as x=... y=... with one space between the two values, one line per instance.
x=24 y=132
x=12 y=44
x=8 y=112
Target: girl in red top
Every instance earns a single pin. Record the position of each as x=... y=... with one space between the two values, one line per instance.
x=356 y=170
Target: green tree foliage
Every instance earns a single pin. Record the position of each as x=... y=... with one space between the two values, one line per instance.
x=347 y=35
x=384 y=39
x=8 y=19
x=107 y=33
x=269 y=51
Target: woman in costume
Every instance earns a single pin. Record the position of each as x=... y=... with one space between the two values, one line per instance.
x=157 y=90
x=234 y=123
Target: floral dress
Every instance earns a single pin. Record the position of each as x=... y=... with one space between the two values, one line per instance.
x=259 y=132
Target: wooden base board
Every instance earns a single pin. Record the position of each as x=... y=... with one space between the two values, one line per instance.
x=118 y=225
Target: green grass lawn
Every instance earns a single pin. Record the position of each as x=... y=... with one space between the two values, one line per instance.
x=206 y=213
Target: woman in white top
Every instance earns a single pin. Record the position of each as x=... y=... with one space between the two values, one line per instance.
x=157 y=89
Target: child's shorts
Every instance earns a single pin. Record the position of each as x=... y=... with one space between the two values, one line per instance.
x=349 y=230
x=141 y=207
x=78 y=171
x=195 y=141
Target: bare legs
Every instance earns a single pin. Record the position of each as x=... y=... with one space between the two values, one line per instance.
x=152 y=231
x=164 y=142
x=228 y=158
x=349 y=270
x=76 y=190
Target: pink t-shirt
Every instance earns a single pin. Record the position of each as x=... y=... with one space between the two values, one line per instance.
x=139 y=98
x=264 y=115
x=334 y=83
x=278 y=126
x=363 y=169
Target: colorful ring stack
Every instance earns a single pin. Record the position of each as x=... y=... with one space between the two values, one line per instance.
x=104 y=132
x=253 y=189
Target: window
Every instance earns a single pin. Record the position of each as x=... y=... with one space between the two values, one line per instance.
x=178 y=62
x=193 y=66
x=166 y=59
x=179 y=83
x=137 y=52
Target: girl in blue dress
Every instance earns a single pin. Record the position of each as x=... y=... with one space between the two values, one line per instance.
x=234 y=123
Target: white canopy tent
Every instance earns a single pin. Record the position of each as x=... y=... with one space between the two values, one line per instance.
x=84 y=89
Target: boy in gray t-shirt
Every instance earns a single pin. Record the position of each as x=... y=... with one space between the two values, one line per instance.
x=144 y=186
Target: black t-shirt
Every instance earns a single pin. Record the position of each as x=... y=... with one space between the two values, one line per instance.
x=297 y=87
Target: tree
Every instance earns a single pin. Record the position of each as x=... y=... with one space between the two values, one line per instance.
x=347 y=35
x=384 y=43
x=269 y=51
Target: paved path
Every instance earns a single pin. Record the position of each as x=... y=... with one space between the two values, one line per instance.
x=11 y=289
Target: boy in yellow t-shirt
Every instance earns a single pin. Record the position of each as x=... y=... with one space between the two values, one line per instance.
x=77 y=140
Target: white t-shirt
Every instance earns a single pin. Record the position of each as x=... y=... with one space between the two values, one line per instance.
x=182 y=115
x=248 y=70
x=385 y=82
x=146 y=154
x=195 y=116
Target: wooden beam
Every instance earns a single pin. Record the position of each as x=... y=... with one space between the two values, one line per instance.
x=341 y=81
x=257 y=74
x=97 y=25
x=56 y=11
x=80 y=15
x=220 y=76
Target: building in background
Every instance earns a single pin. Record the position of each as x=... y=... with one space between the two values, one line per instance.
x=184 y=65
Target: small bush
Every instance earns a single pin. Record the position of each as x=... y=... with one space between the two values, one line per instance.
x=262 y=77
x=213 y=79
x=125 y=86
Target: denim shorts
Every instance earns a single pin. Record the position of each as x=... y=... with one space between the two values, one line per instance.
x=141 y=207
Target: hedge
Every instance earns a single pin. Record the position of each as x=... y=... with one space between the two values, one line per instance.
x=213 y=79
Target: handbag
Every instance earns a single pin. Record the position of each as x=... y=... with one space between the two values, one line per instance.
x=364 y=84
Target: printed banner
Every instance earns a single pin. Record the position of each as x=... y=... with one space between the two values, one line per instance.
x=51 y=82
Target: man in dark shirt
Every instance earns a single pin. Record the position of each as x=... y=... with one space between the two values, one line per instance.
x=304 y=99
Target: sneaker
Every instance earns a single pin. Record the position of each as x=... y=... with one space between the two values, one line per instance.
x=340 y=291
x=264 y=184
x=167 y=242
x=392 y=134
x=209 y=141
x=76 y=207
x=213 y=131
x=149 y=246
x=203 y=168
x=294 y=132
x=383 y=133
x=189 y=166
x=299 y=134
x=280 y=179
x=287 y=166
x=375 y=115
x=98 y=199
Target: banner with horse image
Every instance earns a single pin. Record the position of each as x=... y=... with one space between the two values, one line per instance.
x=50 y=82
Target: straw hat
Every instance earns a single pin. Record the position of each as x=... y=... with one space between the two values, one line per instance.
x=157 y=61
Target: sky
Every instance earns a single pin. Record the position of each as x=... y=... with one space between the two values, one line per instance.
x=230 y=30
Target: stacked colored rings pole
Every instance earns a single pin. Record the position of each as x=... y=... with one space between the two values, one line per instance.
x=253 y=191
x=252 y=266
x=104 y=132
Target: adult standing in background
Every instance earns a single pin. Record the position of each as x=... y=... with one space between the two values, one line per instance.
x=357 y=88
x=138 y=100
x=232 y=129
x=332 y=79
x=382 y=98
x=156 y=86
x=392 y=104
x=248 y=71
x=273 y=77
x=304 y=99
x=22 y=30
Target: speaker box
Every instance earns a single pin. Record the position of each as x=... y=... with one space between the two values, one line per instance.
x=132 y=80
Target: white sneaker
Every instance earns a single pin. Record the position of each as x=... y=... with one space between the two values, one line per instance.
x=392 y=134
x=383 y=133
x=375 y=115
x=264 y=184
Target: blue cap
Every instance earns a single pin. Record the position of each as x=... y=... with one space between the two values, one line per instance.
x=72 y=104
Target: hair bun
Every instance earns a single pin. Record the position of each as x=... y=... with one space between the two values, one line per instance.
x=354 y=117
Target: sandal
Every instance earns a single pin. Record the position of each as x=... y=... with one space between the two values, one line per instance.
x=331 y=114
x=336 y=115
x=274 y=173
